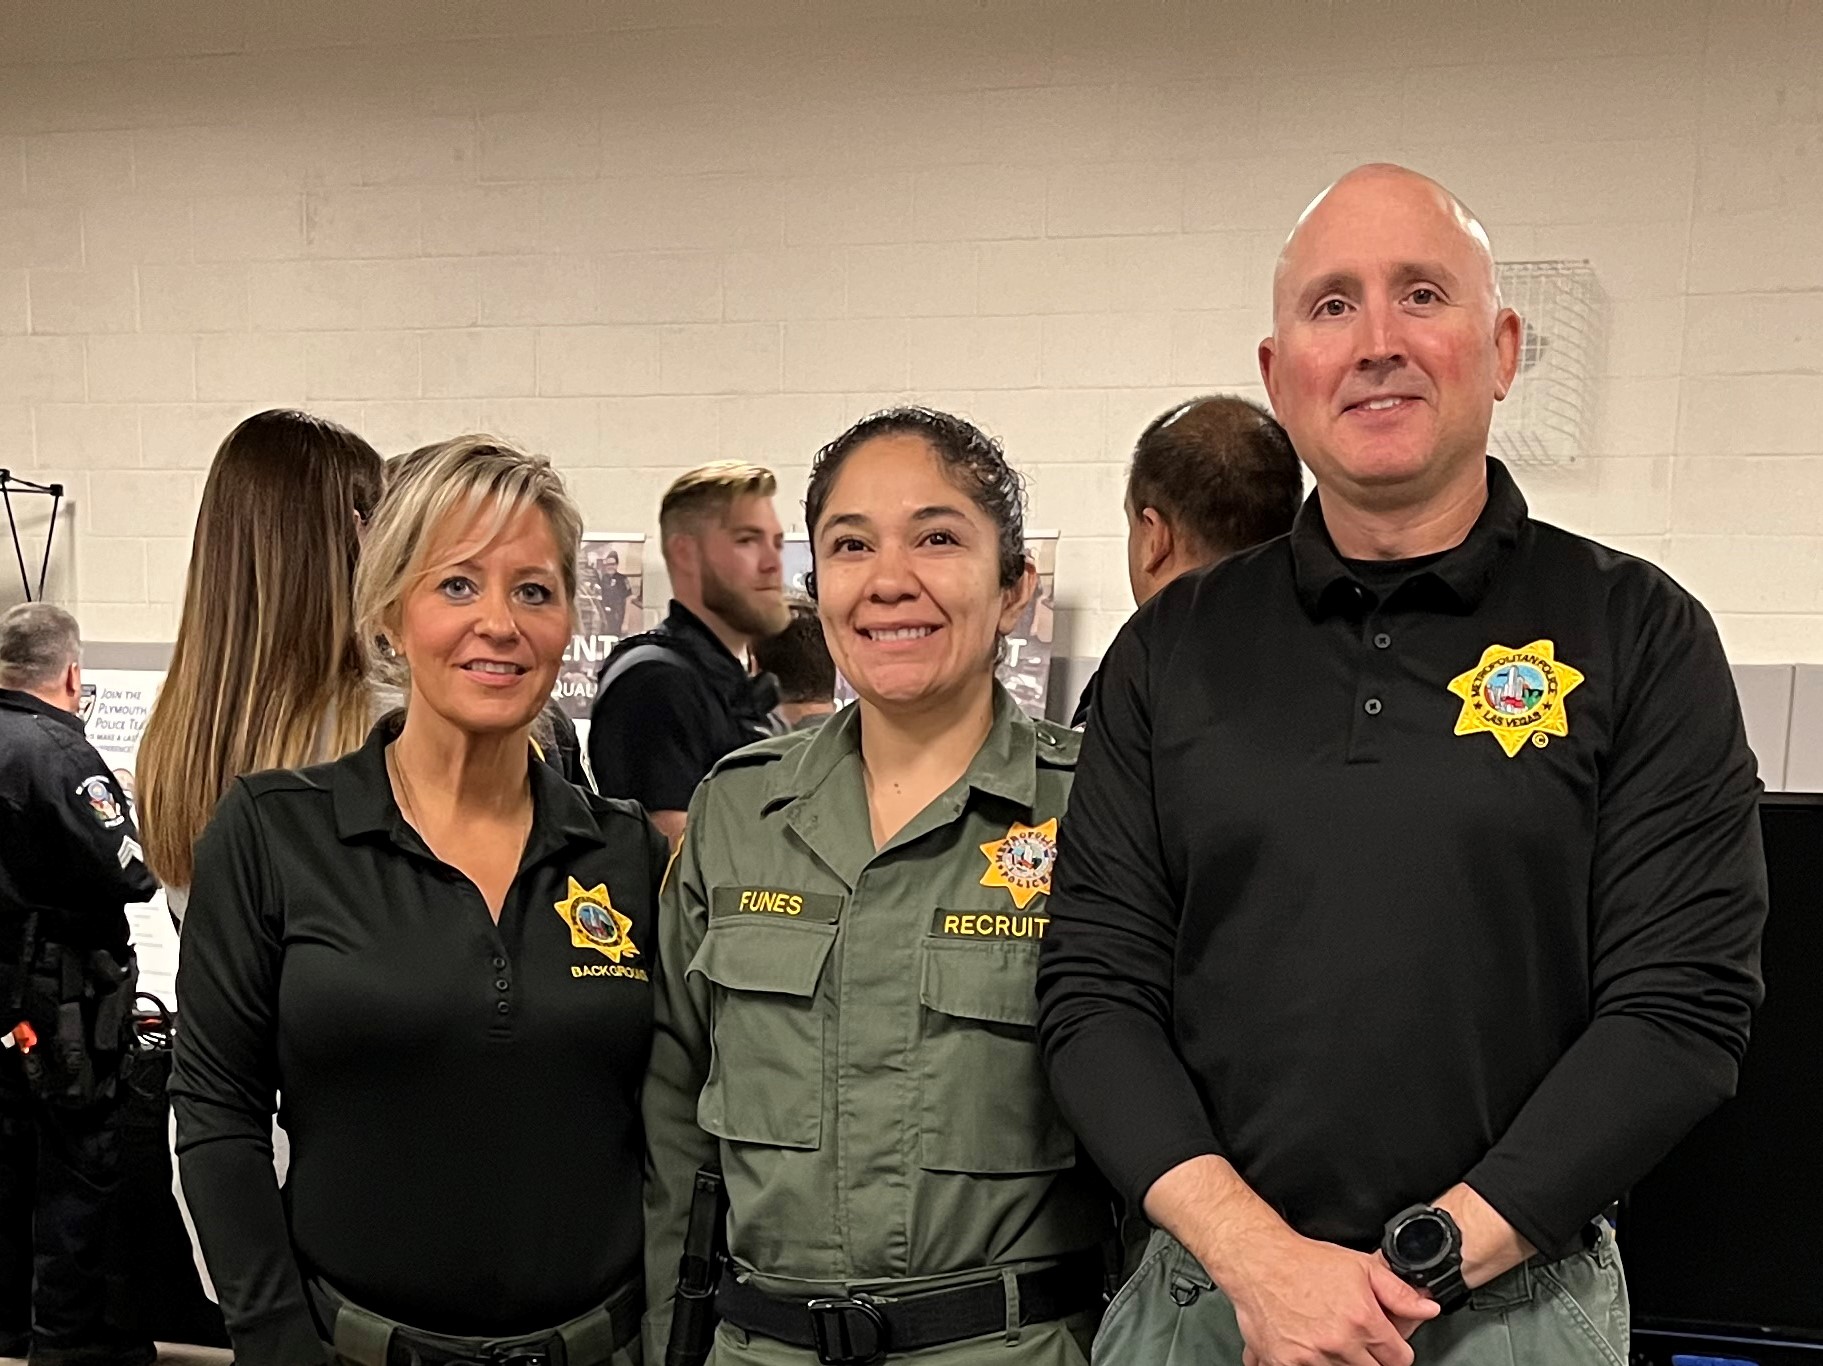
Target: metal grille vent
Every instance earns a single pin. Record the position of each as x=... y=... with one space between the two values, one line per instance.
x=1548 y=418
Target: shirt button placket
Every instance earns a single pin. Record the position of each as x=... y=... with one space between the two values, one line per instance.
x=1364 y=729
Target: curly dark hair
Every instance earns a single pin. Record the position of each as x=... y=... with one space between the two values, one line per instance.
x=972 y=459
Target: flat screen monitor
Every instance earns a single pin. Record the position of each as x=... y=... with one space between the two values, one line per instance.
x=1726 y=1236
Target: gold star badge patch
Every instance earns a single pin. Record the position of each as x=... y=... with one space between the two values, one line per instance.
x=595 y=924
x=1516 y=695
x=1022 y=862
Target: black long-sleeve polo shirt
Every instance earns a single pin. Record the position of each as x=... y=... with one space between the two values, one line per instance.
x=1376 y=890
x=461 y=1097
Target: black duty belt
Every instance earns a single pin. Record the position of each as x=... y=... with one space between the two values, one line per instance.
x=861 y=1328
x=364 y=1338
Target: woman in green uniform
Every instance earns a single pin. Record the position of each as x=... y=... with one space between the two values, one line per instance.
x=844 y=1016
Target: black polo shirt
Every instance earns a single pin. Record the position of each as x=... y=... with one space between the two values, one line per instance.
x=461 y=1097
x=1373 y=891
x=673 y=701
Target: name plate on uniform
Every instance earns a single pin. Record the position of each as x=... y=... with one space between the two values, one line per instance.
x=784 y=902
x=988 y=925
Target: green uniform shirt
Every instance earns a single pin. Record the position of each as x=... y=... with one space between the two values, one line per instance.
x=851 y=1030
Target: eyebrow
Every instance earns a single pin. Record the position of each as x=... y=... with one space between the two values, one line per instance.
x=476 y=567
x=861 y=519
x=1405 y=273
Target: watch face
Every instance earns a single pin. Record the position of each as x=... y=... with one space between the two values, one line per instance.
x=1420 y=1241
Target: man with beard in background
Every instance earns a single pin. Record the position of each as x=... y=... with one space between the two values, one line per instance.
x=675 y=699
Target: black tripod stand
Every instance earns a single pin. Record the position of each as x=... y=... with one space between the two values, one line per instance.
x=9 y=485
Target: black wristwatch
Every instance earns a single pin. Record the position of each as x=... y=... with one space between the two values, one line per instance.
x=1423 y=1246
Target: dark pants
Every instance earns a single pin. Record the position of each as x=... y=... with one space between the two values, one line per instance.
x=59 y=1173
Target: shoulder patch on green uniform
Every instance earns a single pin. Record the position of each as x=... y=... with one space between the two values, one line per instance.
x=767 y=751
x=1058 y=745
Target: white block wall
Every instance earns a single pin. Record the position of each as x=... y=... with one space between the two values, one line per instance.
x=642 y=233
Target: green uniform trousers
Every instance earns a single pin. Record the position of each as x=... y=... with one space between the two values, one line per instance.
x=1060 y=1343
x=1571 y=1312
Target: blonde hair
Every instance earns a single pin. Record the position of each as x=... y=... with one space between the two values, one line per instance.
x=466 y=474
x=266 y=672
x=709 y=491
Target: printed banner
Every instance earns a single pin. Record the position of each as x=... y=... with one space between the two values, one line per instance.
x=610 y=577
x=114 y=707
x=1026 y=671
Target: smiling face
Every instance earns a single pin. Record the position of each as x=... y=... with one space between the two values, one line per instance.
x=1389 y=348
x=908 y=578
x=483 y=629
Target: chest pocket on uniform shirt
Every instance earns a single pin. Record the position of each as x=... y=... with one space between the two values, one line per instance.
x=984 y=1104
x=766 y=1067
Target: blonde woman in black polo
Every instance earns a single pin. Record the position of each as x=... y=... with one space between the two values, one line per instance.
x=439 y=954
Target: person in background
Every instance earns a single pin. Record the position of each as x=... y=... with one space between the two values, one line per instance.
x=673 y=700
x=1410 y=897
x=266 y=672
x=70 y=862
x=1209 y=478
x=845 y=1002
x=798 y=657
x=439 y=954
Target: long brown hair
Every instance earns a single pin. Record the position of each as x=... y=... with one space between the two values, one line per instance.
x=267 y=672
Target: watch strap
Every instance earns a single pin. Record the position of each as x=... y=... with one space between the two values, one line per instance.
x=1449 y=1290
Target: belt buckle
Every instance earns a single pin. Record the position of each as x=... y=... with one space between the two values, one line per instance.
x=517 y=1356
x=834 y=1322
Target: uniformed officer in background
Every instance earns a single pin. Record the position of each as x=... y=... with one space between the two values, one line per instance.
x=845 y=1006
x=69 y=864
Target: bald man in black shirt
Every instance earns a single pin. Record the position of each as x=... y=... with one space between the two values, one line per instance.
x=1408 y=905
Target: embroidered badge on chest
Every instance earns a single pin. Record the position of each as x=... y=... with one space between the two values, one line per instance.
x=1516 y=695
x=1022 y=862
x=595 y=924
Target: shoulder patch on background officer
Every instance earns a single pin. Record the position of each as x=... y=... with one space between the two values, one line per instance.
x=1516 y=695
x=1058 y=745
x=100 y=797
x=785 y=903
x=987 y=925
x=595 y=923
x=1022 y=861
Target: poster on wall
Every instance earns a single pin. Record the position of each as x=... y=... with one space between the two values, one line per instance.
x=610 y=580
x=1026 y=670
x=114 y=707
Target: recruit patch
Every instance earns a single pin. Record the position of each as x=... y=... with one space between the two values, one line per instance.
x=1022 y=862
x=595 y=924
x=783 y=902
x=1516 y=695
x=987 y=925
x=100 y=797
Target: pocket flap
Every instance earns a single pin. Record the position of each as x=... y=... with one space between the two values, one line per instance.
x=779 y=956
x=993 y=980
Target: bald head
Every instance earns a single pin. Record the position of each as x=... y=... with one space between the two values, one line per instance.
x=1373 y=191
x=1389 y=345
